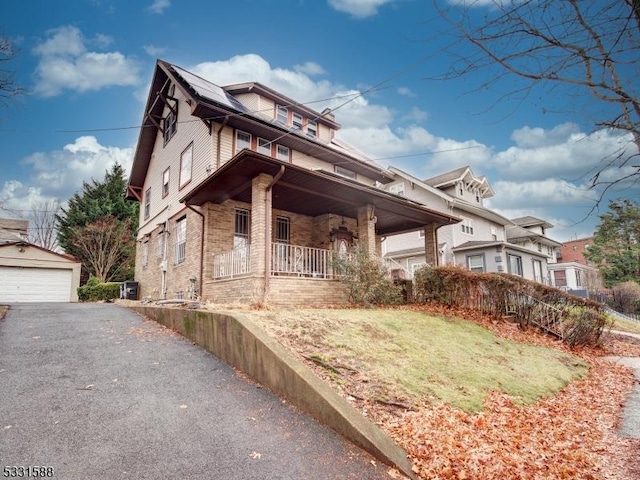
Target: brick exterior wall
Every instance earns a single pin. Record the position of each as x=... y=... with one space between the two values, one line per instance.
x=178 y=276
x=431 y=244
x=306 y=292
x=573 y=251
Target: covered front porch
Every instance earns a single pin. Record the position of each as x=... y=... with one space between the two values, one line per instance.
x=272 y=230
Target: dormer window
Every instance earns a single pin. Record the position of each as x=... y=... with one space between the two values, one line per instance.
x=243 y=140
x=282 y=114
x=264 y=146
x=345 y=173
x=461 y=189
x=282 y=153
x=296 y=121
x=477 y=197
x=312 y=128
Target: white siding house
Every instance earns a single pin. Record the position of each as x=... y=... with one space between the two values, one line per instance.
x=483 y=241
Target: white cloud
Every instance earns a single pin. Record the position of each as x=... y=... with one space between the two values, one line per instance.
x=358 y=8
x=310 y=68
x=159 y=6
x=406 y=92
x=153 y=51
x=60 y=173
x=65 y=63
x=416 y=115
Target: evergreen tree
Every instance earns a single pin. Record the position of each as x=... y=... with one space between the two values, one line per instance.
x=96 y=202
x=616 y=243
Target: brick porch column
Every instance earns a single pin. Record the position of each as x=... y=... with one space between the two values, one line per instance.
x=367 y=228
x=431 y=244
x=260 y=230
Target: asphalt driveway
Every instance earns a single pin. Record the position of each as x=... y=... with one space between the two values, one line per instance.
x=95 y=391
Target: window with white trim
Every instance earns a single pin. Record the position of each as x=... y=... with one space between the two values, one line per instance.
x=515 y=264
x=243 y=140
x=264 y=146
x=312 y=128
x=296 y=121
x=282 y=153
x=165 y=183
x=145 y=253
x=345 y=173
x=186 y=163
x=467 y=226
x=160 y=244
x=461 y=188
x=537 y=270
x=282 y=114
x=475 y=263
x=147 y=203
x=181 y=241
x=241 y=228
x=494 y=234
x=398 y=189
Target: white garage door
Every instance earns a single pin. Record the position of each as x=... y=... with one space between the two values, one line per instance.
x=22 y=284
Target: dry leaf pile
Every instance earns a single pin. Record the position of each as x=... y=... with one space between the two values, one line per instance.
x=569 y=436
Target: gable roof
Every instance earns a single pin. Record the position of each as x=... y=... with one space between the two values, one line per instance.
x=211 y=102
x=515 y=232
x=529 y=221
x=64 y=256
x=465 y=174
x=458 y=203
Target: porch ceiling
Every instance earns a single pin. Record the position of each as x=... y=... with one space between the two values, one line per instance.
x=312 y=193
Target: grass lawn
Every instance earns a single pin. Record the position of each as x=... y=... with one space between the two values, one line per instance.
x=625 y=325
x=410 y=357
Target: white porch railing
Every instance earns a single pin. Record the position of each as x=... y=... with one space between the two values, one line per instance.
x=396 y=269
x=231 y=264
x=301 y=261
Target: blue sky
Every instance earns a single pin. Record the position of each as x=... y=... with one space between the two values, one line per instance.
x=87 y=65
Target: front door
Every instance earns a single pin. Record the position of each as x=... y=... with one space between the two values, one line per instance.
x=343 y=241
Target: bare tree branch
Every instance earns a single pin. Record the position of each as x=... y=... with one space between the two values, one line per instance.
x=589 y=49
x=42 y=224
x=105 y=247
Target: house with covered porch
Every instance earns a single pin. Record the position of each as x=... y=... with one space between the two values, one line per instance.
x=247 y=195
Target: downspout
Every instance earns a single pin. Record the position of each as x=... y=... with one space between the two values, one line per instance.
x=267 y=231
x=201 y=248
x=218 y=136
x=165 y=234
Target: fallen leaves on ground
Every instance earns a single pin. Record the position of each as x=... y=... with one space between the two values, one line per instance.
x=571 y=435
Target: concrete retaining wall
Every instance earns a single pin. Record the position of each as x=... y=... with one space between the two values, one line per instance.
x=242 y=344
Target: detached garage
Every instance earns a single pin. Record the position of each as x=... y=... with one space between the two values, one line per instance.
x=29 y=273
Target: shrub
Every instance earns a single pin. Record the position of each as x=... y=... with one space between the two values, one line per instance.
x=578 y=320
x=94 y=290
x=367 y=280
x=626 y=297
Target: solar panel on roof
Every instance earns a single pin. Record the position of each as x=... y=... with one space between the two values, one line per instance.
x=209 y=90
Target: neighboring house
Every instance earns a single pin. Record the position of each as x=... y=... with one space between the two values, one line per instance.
x=12 y=230
x=484 y=241
x=573 y=272
x=29 y=273
x=246 y=196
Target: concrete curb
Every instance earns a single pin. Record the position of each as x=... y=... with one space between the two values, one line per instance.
x=242 y=344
